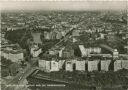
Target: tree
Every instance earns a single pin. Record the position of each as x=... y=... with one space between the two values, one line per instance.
x=13 y=68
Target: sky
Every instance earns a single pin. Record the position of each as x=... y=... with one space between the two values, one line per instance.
x=62 y=5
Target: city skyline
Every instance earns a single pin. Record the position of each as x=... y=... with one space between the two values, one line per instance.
x=63 y=5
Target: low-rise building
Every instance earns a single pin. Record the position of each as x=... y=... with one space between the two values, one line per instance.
x=125 y=64
x=105 y=65
x=48 y=65
x=61 y=64
x=120 y=64
x=5 y=54
x=53 y=51
x=82 y=50
x=93 y=65
x=117 y=65
x=80 y=65
x=53 y=35
x=47 y=35
x=35 y=51
x=69 y=66
x=42 y=64
x=60 y=51
x=37 y=38
x=13 y=55
x=74 y=40
x=102 y=36
x=76 y=33
x=126 y=47
x=127 y=35
x=54 y=65
x=93 y=50
x=86 y=51
x=68 y=52
x=59 y=35
x=63 y=33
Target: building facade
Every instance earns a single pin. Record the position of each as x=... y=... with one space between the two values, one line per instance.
x=105 y=65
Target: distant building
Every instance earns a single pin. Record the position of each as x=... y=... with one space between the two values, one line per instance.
x=69 y=66
x=14 y=28
x=110 y=36
x=120 y=64
x=48 y=65
x=126 y=47
x=82 y=50
x=47 y=35
x=102 y=36
x=125 y=56
x=59 y=35
x=126 y=35
x=63 y=33
x=86 y=51
x=117 y=65
x=101 y=55
x=61 y=64
x=5 y=54
x=53 y=52
x=68 y=52
x=13 y=55
x=76 y=33
x=105 y=65
x=53 y=35
x=54 y=65
x=60 y=51
x=35 y=51
x=93 y=65
x=125 y=64
x=37 y=38
x=42 y=64
x=74 y=40
x=12 y=52
x=80 y=65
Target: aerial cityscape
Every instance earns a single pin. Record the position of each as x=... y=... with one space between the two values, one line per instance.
x=64 y=50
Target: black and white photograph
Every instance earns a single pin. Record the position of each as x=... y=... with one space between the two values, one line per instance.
x=64 y=45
